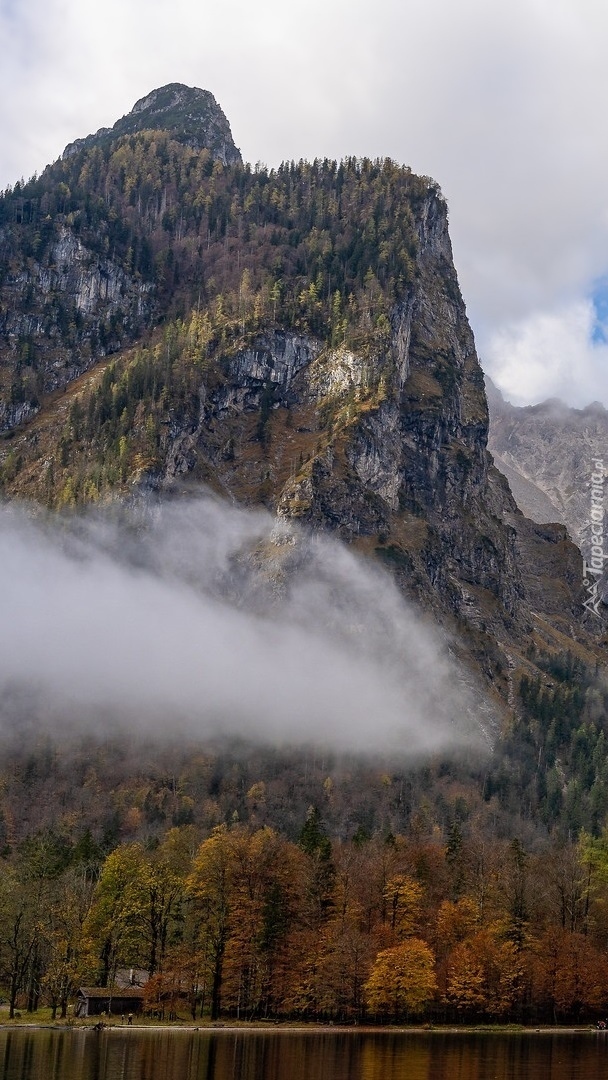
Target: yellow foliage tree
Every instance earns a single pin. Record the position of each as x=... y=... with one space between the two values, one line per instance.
x=486 y=972
x=456 y=920
x=402 y=979
x=403 y=897
x=466 y=979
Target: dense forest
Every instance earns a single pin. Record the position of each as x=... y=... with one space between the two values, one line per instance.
x=446 y=891
x=216 y=255
x=156 y=208
x=249 y=924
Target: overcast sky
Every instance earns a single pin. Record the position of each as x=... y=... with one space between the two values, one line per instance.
x=502 y=103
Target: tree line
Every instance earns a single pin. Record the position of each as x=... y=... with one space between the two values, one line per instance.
x=248 y=924
x=458 y=885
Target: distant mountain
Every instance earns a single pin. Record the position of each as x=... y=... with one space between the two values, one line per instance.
x=547 y=453
x=190 y=115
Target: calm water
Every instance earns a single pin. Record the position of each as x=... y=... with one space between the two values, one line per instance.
x=137 y=1055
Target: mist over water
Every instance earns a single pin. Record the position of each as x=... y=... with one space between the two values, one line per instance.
x=195 y=618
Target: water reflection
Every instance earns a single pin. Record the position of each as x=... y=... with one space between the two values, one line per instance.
x=27 y=1054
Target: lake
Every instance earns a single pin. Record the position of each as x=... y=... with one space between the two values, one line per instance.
x=119 y=1054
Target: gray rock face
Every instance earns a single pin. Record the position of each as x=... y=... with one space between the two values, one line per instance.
x=548 y=453
x=387 y=449
x=193 y=116
x=276 y=360
x=13 y=414
x=87 y=281
x=77 y=295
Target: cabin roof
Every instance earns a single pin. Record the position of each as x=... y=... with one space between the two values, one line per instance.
x=135 y=992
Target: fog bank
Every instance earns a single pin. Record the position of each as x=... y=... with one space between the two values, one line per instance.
x=199 y=619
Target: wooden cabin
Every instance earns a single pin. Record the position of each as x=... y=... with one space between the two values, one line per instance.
x=95 y=1000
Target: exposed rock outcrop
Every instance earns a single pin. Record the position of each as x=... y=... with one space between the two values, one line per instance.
x=192 y=115
x=63 y=315
x=387 y=449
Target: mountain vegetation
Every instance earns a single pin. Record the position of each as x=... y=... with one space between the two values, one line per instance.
x=442 y=891
x=293 y=338
x=321 y=248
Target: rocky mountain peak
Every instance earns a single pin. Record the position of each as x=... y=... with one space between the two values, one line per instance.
x=190 y=114
x=170 y=96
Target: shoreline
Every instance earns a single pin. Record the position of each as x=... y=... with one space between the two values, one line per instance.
x=240 y=1028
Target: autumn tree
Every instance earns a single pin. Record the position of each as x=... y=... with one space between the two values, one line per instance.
x=210 y=886
x=485 y=972
x=67 y=948
x=403 y=896
x=402 y=979
x=466 y=982
x=21 y=932
x=569 y=974
x=115 y=924
x=267 y=877
x=162 y=889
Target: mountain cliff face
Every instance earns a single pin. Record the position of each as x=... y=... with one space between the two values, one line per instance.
x=385 y=445
x=298 y=340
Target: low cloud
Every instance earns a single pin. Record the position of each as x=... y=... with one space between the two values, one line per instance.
x=197 y=619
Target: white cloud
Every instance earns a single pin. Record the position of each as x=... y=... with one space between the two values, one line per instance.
x=190 y=618
x=550 y=354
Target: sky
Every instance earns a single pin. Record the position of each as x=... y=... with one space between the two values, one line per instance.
x=503 y=103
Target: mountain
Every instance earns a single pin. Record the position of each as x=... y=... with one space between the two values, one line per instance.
x=295 y=339
x=302 y=343
x=548 y=454
x=232 y=753
x=86 y=249
x=190 y=115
